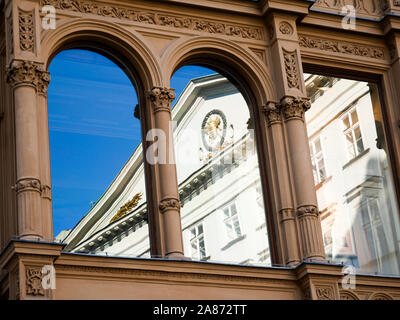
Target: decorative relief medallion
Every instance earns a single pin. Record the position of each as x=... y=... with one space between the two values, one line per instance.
x=34 y=282
x=324 y=293
x=155 y=18
x=292 y=70
x=28 y=184
x=26 y=31
x=285 y=28
x=307 y=211
x=294 y=108
x=213 y=130
x=161 y=98
x=28 y=73
x=341 y=47
x=168 y=204
x=273 y=113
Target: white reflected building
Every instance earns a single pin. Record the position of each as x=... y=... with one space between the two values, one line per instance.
x=223 y=216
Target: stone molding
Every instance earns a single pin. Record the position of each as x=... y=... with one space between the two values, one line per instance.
x=157 y=18
x=161 y=98
x=169 y=204
x=28 y=184
x=340 y=46
x=23 y=72
x=305 y=211
x=286 y=214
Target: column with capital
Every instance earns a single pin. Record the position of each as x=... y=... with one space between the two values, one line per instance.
x=25 y=78
x=169 y=205
x=293 y=103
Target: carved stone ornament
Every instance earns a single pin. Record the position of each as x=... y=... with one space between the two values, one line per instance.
x=286 y=214
x=292 y=69
x=46 y=192
x=28 y=184
x=168 y=204
x=34 y=278
x=344 y=47
x=161 y=98
x=324 y=293
x=307 y=211
x=379 y=296
x=347 y=295
x=294 y=108
x=285 y=28
x=28 y=73
x=273 y=113
x=26 y=31
x=157 y=18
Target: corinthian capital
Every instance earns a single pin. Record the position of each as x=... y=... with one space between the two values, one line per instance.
x=28 y=73
x=161 y=98
x=294 y=108
x=273 y=113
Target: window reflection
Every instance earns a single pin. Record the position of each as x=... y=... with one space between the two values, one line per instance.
x=359 y=212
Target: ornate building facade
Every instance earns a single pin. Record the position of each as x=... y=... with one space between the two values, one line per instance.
x=320 y=92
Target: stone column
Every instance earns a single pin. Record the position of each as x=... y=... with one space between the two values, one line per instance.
x=44 y=156
x=291 y=92
x=293 y=110
x=24 y=77
x=169 y=206
x=285 y=207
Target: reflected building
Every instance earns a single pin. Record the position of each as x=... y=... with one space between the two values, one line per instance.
x=222 y=214
x=356 y=196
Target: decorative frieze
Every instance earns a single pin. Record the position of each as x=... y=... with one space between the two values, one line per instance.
x=169 y=204
x=28 y=73
x=362 y=7
x=26 y=31
x=294 y=108
x=34 y=278
x=292 y=69
x=156 y=18
x=339 y=46
x=324 y=293
x=161 y=99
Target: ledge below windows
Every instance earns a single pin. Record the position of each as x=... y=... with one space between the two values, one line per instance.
x=359 y=156
x=232 y=242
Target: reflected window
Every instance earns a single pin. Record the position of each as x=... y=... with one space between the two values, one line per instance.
x=318 y=162
x=359 y=209
x=231 y=222
x=197 y=244
x=352 y=133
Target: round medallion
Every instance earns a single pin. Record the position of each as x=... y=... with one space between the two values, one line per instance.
x=213 y=130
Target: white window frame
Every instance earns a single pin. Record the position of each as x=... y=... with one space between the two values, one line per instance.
x=352 y=128
x=197 y=239
x=233 y=232
x=315 y=157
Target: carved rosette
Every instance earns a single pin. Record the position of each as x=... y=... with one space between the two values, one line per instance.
x=294 y=108
x=28 y=184
x=285 y=28
x=26 y=31
x=28 y=73
x=273 y=113
x=307 y=211
x=169 y=204
x=34 y=278
x=161 y=99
